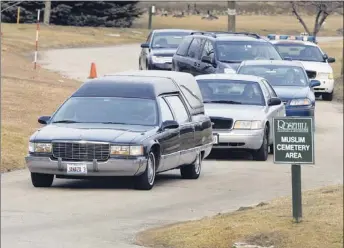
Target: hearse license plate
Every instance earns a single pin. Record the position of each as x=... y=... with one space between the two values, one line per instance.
x=76 y=168
x=215 y=138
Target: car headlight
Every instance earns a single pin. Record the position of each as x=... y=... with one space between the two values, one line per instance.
x=300 y=102
x=127 y=150
x=330 y=76
x=40 y=147
x=248 y=125
x=161 y=60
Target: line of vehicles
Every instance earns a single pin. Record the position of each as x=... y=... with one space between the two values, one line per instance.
x=194 y=92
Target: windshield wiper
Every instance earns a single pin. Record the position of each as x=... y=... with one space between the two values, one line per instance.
x=113 y=122
x=223 y=101
x=66 y=121
x=230 y=61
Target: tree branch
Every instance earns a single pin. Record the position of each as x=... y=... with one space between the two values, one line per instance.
x=295 y=12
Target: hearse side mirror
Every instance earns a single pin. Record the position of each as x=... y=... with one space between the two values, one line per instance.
x=169 y=125
x=314 y=83
x=207 y=59
x=144 y=45
x=274 y=101
x=43 y=120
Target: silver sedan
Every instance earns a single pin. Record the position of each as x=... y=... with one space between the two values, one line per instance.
x=242 y=108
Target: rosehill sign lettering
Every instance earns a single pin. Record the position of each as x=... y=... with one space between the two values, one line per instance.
x=293 y=140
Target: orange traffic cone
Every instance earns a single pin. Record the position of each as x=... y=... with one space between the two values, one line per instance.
x=93 y=72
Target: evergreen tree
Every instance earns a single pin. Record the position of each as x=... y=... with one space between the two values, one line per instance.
x=77 y=13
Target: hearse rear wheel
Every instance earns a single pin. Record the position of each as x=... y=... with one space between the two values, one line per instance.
x=192 y=171
x=41 y=180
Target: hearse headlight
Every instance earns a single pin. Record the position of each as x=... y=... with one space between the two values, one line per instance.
x=127 y=150
x=40 y=147
x=248 y=124
x=300 y=102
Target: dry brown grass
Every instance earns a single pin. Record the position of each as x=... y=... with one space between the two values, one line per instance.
x=271 y=224
x=252 y=23
x=22 y=37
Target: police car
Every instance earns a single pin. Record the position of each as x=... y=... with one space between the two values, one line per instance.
x=304 y=48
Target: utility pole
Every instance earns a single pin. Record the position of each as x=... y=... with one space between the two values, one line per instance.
x=47 y=10
x=231 y=16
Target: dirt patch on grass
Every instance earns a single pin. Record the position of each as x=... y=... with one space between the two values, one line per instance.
x=271 y=224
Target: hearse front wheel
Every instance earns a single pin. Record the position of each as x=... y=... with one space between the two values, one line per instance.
x=146 y=180
x=41 y=180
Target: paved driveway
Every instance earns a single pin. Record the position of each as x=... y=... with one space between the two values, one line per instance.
x=108 y=213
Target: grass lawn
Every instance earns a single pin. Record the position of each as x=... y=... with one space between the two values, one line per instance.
x=252 y=23
x=267 y=225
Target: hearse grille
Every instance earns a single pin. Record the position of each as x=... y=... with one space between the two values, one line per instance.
x=74 y=151
x=221 y=123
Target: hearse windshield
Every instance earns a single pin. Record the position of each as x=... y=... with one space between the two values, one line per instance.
x=108 y=110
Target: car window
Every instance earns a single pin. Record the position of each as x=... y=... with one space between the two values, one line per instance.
x=184 y=46
x=166 y=114
x=168 y=39
x=278 y=75
x=238 y=51
x=270 y=89
x=265 y=91
x=300 y=52
x=193 y=100
x=178 y=109
x=208 y=49
x=229 y=91
x=195 y=47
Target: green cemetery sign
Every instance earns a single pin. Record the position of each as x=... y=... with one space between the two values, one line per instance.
x=293 y=140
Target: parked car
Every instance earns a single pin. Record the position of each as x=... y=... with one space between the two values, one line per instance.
x=290 y=82
x=316 y=62
x=161 y=44
x=134 y=124
x=242 y=110
x=220 y=52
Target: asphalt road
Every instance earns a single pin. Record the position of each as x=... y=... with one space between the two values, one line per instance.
x=108 y=213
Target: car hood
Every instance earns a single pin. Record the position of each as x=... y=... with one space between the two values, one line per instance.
x=236 y=112
x=234 y=66
x=317 y=66
x=291 y=92
x=165 y=52
x=93 y=132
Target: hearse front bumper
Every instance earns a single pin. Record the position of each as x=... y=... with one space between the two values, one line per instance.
x=111 y=167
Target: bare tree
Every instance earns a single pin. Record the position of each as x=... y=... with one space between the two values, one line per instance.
x=322 y=8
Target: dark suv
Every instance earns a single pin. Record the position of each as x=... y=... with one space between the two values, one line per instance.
x=220 y=52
